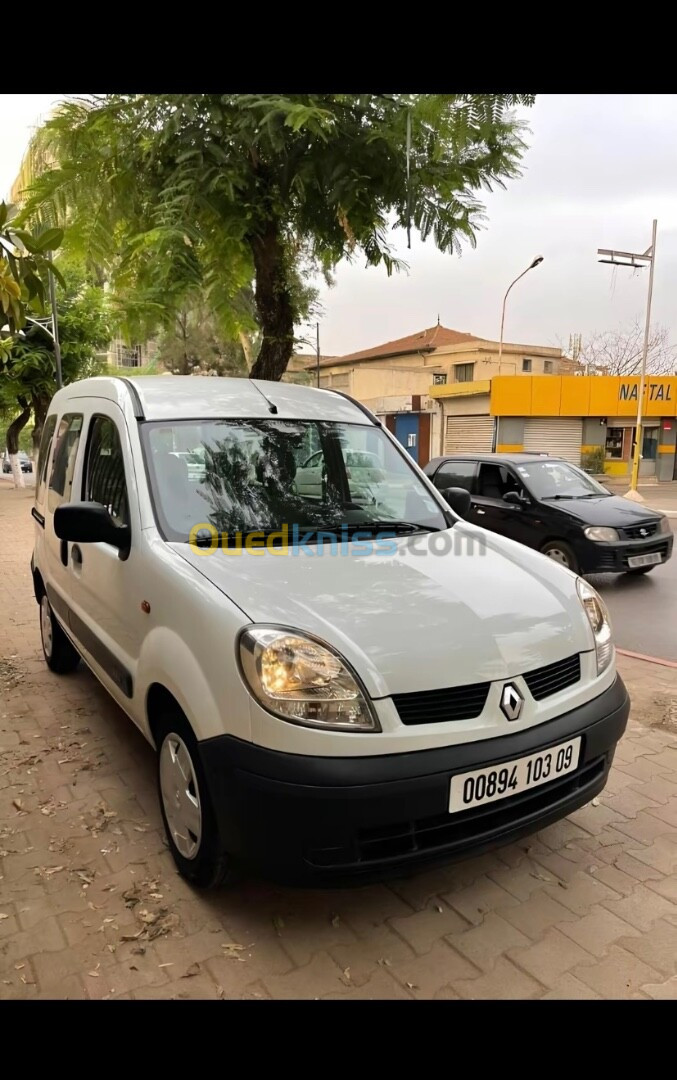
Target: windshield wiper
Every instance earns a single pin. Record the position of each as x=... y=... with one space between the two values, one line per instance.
x=561 y=497
x=398 y=527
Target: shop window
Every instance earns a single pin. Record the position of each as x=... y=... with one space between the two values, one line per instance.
x=614 y=442
x=463 y=372
x=526 y=366
x=650 y=443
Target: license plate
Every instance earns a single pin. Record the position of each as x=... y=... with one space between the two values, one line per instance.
x=501 y=781
x=645 y=560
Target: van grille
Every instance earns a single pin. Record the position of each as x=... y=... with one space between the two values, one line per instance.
x=551 y=679
x=442 y=706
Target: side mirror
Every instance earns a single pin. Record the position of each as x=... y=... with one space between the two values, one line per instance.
x=90 y=523
x=513 y=498
x=458 y=499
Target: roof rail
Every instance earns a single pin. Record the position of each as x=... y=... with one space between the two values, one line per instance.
x=134 y=394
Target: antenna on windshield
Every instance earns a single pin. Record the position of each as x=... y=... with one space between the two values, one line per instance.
x=271 y=407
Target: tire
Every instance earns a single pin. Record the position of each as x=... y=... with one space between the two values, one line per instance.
x=641 y=569
x=185 y=805
x=60 y=656
x=560 y=552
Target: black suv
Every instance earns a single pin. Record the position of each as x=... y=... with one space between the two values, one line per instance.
x=553 y=506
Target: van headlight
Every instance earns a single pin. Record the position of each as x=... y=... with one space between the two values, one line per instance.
x=601 y=533
x=304 y=681
x=664 y=525
x=598 y=617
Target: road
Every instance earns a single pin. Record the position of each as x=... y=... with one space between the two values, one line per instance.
x=643 y=608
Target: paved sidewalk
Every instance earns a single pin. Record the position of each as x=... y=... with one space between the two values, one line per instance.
x=91 y=906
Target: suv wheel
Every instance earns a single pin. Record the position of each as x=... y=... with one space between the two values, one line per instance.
x=60 y=656
x=561 y=553
x=187 y=813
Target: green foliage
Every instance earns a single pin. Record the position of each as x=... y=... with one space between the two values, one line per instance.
x=28 y=370
x=193 y=345
x=197 y=195
x=24 y=267
x=593 y=460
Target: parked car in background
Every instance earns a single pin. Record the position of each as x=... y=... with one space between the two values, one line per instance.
x=25 y=462
x=363 y=470
x=553 y=506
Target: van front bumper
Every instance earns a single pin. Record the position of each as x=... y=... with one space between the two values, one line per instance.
x=318 y=820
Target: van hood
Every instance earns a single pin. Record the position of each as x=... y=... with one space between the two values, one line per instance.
x=612 y=510
x=413 y=620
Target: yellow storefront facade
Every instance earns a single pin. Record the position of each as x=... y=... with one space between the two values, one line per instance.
x=588 y=419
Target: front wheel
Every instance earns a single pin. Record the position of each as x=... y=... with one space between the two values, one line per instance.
x=561 y=553
x=187 y=812
x=59 y=654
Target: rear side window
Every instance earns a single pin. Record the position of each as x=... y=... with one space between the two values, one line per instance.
x=43 y=456
x=63 y=461
x=455 y=474
x=105 y=469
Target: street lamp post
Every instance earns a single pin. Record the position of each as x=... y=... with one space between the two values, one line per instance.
x=537 y=260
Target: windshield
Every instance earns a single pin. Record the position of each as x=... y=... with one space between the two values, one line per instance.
x=251 y=475
x=558 y=479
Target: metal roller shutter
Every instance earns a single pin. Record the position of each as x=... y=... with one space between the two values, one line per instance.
x=469 y=434
x=558 y=436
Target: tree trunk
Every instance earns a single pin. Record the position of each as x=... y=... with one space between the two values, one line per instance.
x=40 y=404
x=246 y=343
x=273 y=304
x=13 y=432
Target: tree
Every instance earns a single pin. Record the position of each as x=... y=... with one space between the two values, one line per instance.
x=619 y=351
x=173 y=193
x=28 y=378
x=24 y=264
x=193 y=346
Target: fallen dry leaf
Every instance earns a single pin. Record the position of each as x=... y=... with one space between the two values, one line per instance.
x=194 y=969
x=230 y=950
x=346 y=973
x=412 y=986
x=3 y=916
x=17 y=804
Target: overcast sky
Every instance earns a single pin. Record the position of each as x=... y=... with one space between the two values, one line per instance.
x=598 y=169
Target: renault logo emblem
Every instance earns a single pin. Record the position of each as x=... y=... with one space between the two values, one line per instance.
x=511 y=702
x=643 y=532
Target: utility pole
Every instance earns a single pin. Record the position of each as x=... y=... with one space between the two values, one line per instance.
x=317 y=351
x=637 y=261
x=55 y=325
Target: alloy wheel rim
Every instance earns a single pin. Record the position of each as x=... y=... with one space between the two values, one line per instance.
x=180 y=796
x=46 y=627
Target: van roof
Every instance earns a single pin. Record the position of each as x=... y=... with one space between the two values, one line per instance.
x=193 y=397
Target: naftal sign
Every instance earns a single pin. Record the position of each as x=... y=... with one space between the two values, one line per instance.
x=655 y=391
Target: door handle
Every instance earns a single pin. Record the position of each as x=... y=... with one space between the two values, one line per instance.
x=76 y=555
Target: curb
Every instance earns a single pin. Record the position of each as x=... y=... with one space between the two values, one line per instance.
x=648 y=659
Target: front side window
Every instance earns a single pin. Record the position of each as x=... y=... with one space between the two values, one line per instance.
x=63 y=461
x=495 y=481
x=104 y=480
x=258 y=475
x=43 y=455
x=558 y=480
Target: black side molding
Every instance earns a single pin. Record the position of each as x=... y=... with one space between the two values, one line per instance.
x=40 y=518
x=92 y=643
x=134 y=395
